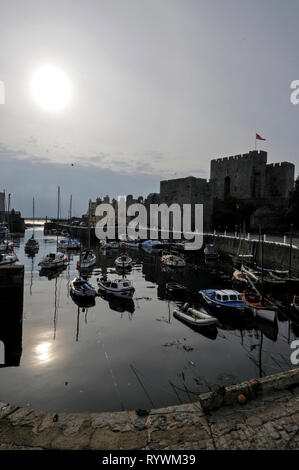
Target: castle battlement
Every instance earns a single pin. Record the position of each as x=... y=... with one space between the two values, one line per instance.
x=252 y=155
x=280 y=165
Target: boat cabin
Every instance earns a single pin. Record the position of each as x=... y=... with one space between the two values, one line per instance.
x=228 y=296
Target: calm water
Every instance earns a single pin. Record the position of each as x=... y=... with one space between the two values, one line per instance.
x=104 y=358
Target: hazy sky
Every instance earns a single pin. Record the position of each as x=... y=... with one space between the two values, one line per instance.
x=158 y=88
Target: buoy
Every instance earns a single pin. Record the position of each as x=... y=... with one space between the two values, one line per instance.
x=241 y=399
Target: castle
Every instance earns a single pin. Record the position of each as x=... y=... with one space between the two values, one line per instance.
x=247 y=178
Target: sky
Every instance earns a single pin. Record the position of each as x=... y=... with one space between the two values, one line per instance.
x=156 y=89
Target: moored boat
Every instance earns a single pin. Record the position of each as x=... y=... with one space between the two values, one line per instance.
x=123 y=261
x=195 y=317
x=86 y=260
x=259 y=305
x=6 y=246
x=8 y=259
x=210 y=252
x=175 y=288
x=32 y=245
x=173 y=261
x=122 y=288
x=53 y=260
x=80 y=287
x=69 y=244
x=225 y=300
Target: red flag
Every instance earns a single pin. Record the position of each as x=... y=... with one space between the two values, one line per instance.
x=258 y=137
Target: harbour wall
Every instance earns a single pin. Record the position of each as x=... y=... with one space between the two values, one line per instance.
x=275 y=255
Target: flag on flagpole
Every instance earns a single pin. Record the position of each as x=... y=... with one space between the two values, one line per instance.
x=258 y=137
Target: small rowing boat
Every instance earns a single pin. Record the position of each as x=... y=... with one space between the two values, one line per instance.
x=194 y=317
x=80 y=287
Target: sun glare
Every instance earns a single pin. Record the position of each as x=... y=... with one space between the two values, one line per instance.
x=51 y=88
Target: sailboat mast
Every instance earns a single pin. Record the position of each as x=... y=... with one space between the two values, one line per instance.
x=33 y=216
x=71 y=204
x=290 y=251
x=58 y=213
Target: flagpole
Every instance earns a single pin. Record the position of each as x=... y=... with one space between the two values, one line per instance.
x=255 y=141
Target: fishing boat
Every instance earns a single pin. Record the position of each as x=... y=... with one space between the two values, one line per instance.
x=225 y=300
x=198 y=318
x=69 y=244
x=81 y=288
x=123 y=261
x=53 y=260
x=87 y=259
x=259 y=305
x=8 y=258
x=210 y=252
x=173 y=261
x=118 y=287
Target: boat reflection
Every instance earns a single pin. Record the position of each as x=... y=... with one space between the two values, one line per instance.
x=118 y=304
x=52 y=273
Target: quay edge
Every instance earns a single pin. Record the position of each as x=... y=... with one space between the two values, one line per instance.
x=267 y=421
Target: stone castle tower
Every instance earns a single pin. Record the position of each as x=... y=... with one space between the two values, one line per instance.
x=249 y=177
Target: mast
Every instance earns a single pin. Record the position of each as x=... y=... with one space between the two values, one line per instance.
x=58 y=213
x=70 y=211
x=89 y=226
x=33 y=217
x=290 y=251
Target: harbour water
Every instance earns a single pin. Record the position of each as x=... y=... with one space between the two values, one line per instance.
x=115 y=355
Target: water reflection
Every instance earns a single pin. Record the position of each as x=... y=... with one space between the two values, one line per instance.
x=127 y=354
x=43 y=352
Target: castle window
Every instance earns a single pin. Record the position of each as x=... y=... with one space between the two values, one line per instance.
x=227 y=186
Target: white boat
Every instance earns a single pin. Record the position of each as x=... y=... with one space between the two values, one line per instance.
x=6 y=246
x=8 y=258
x=194 y=317
x=80 y=287
x=118 y=287
x=69 y=244
x=87 y=259
x=53 y=260
x=123 y=261
x=173 y=261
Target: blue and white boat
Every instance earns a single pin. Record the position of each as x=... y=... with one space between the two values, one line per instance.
x=69 y=244
x=225 y=300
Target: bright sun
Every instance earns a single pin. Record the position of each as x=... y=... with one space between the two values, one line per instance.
x=51 y=88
